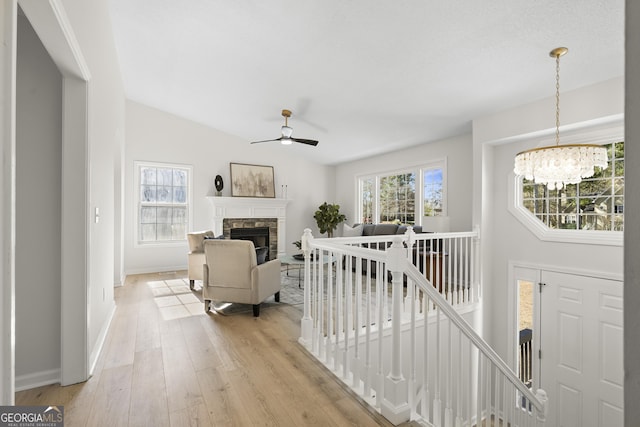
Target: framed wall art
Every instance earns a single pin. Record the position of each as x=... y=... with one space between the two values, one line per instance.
x=252 y=181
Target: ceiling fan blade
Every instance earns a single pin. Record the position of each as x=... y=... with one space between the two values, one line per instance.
x=267 y=140
x=306 y=141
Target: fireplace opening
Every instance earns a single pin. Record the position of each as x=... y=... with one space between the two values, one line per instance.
x=258 y=235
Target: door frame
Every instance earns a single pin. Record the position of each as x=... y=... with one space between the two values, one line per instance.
x=512 y=307
x=52 y=26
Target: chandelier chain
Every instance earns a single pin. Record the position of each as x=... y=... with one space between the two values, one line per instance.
x=557 y=99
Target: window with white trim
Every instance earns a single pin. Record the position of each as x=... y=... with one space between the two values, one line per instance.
x=403 y=197
x=433 y=191
x=164 y=194
x=596 y=203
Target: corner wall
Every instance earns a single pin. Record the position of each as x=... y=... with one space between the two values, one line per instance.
x=157 y=136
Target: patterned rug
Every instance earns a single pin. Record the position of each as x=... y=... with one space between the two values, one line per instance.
x=290 y=293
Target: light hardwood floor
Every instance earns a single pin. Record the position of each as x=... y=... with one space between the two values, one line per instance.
x=203 y=370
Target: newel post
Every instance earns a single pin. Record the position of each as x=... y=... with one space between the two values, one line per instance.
x=395 y=405
x=541 y=418
x=306 y=324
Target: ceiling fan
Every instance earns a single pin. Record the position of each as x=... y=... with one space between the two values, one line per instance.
x=285 y=137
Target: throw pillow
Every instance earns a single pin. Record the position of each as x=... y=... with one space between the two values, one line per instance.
x=261 y=254
x=348 y=231
x=220 y=237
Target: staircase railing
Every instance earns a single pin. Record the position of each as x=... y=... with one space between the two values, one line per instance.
x=386 y=322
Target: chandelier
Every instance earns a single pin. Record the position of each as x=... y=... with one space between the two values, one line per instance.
x=558 y=165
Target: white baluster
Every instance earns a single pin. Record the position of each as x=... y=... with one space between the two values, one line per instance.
x=356 y=362
x=437 y=402
x=347 y=321
x=426 y=398
x=448 y=411
x=306 y=324
x=329 y=321
x=340 y=312
x=459 y=375
x=380 y=307
x=367 y=346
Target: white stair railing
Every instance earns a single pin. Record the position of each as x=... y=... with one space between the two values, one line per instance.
x=401 y=344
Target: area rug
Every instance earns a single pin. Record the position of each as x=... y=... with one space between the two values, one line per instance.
x=290 y=293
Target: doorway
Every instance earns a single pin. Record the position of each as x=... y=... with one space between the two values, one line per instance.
x=576 y=343
x=581 y=344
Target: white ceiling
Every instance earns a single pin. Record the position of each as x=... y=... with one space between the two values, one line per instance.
x=361 y=76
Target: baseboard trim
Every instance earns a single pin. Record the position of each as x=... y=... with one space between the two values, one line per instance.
x=162 y=269
x=102 y=337
x=38 y=379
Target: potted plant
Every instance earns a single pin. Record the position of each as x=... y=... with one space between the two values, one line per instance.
x=328 y=217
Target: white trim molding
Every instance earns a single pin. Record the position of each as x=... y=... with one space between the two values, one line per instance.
x=8 y=28
x=544 y=233
x=250 y=207
x=37 y=379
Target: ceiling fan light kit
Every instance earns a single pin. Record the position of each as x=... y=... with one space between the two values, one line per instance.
x=558 y=165
x=285 y=134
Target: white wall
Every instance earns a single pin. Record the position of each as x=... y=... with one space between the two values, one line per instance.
x=504 y=237
x=632 y=228
x=92 y=26
x=38 y=207
x=157 y=136
x=456 y=150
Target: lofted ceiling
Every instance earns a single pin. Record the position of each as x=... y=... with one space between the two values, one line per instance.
x=363 y=77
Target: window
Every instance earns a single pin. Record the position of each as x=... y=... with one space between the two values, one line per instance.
x=432 y=184
x=400 y=197
x=163 y=202
x=367 y=196
x=397 y=201
x=596 y=203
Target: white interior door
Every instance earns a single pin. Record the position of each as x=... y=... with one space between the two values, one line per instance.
x=581 y=350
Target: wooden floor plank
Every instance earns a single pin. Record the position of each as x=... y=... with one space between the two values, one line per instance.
x=148 y=391
x=113 y=397
x=201 y=370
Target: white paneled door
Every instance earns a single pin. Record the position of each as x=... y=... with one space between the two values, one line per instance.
x=581 y=350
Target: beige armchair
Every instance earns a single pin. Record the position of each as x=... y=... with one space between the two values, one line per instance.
x=196 y=254
x=231 y=274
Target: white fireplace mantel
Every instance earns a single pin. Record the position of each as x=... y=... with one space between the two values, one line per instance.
x=250 y=207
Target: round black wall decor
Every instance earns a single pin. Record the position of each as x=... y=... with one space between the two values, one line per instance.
x=218 y=183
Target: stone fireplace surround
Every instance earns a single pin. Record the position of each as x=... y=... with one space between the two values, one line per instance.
x=247 y=212
x=229 y=224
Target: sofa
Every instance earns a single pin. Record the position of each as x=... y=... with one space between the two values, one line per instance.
x=375 y=230
x=196 y=254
